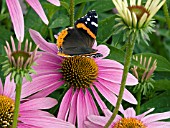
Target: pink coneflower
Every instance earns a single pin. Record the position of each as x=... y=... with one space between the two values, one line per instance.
x=84 y=77
x=30 y=115
x=130 y=120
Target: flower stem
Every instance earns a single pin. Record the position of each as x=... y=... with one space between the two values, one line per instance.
x=17 y=104
x=166 y=13
x=128 y=56
x=138 y=97
x=72 y=13
x=51 y=35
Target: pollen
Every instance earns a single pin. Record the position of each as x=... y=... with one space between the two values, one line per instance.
x=79 y=71
x=6 y=111
x=129 y=123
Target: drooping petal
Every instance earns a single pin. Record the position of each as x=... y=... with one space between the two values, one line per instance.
x=98 y=99
x=55 y=2
x=115 y=88
x=17 y=18
x=35 y=4
x=65 y=105
x=45 y=92
x=108 y=95
x=158 y=125
x=81 y=109
x=33 y=113
x=91 y=106
x=43 y=44
x=38 y=103
x=47 y=122
x=115 y=75
x=73 y=108
x=9 y=88
x=46 y=81
x=99 y=120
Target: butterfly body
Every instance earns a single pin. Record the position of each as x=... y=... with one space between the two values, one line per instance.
x=80 y=39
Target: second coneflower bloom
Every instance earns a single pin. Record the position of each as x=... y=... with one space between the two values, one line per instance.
x=86 y=78
x=136 y=18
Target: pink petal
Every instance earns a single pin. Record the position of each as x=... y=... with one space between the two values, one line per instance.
x=9 y=88
x=55 y=2
x=39 y=103
x=21 y=125
x=115 y=88
x=43 y=44
x=35 y=86
x=98 y=120
x=98 y=99
x=91 y=106
x=33 y=113
x=73 y=108
x=155 y=117
x=1 y=88
x=17 y=18
x=144 y=114
x=108 y=95
x=45 y=92
x=106 y=63
x=130 y=112
x=89 y=124
x=115 y=76
x=95 y=45
x=35 y=4
x=104 y=50
x=158 y=125
x=65 y=105
x=50 y=57
x=81 y=109
x=47 y=122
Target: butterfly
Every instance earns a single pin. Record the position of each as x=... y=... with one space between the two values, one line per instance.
x=79 y=40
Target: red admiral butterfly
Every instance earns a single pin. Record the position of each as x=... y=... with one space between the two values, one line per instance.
x=80 y=39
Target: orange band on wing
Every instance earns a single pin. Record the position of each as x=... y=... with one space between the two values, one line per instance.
x=61 y=37
x=81 y=25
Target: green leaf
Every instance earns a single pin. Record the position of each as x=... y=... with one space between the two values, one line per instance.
x=61 y=21
x=160 y=103
x=118 y=55
x=3 y=16
x=105 y=29
x=4 y=35
x=82 y=1
x=33 y=21
x=162 y=63
x=162 y=84
x=101 y=5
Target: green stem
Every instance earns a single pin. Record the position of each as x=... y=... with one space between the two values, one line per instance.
x=166 y=13
x=17 y=104
x=128 y=56
x=51 y=35
x=72 y=13
x=138 y=97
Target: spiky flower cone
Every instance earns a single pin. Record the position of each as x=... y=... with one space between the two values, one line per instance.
x=19 y=61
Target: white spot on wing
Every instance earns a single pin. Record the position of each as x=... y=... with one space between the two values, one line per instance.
x=96 y=16
x=88 y=19
x=93 y=23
